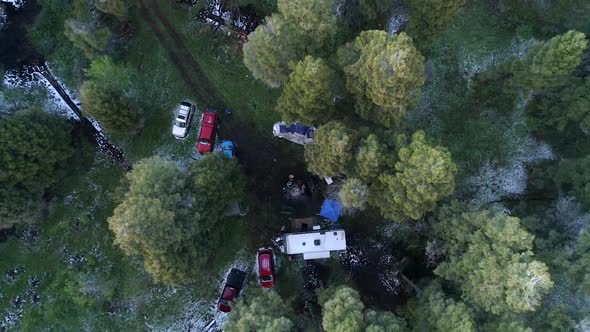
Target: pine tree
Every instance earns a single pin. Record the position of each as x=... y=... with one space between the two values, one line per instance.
x=573 y=177
x=118 y=8
x=550 y=65
x=572 y=107
x=384 y=73
x=490 y=258
x=429 y=18
x=308 y=93
x=434 y=311
x=89 y=38
x=424 y=175
x=173 y=219
x=110 y=107
x=270 y=49
x=383 y=322
x=354 y=194
x=371 y=158
x=332 y=150
x=35 y=148
x=314 y=22
x=259 y=310
x=342 y=310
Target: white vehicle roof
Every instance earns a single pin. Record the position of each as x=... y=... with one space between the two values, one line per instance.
x=316 y=244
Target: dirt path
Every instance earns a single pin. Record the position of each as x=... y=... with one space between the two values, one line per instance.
x=189 y=69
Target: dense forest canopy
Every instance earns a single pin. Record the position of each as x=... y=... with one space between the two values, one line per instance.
x=456 y=134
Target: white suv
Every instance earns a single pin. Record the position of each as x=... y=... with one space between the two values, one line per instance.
x=182 y=120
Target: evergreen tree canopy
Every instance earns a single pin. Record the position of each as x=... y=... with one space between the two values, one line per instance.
x=174 y=220
x=118 y=8
x=18 y=206
x=300 y=27
x=108 y=105
x=424 y=175
x=354 y=194
x=313 y=20
x=259 y=311
x=371 y=158
x=429 y=18
x=342 y=310
x=34 y=149
x=270 y=49
x=573 y=177
x=490 y=258
x=384 y=73
x=332 y=150
x=434 y=311
x=550 y=64
x=383 y=322
x=308 y=92
x=572 y=108
x=89 y=38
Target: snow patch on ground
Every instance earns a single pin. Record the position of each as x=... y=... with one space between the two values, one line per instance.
x=3 y=16
x=397 y=20
x=473 y=64
x=494 y=182
x=30 y=78
x=15 y=3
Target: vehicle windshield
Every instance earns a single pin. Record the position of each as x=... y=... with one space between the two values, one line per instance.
x=268 y=278
x=203 y=141
x=180 y=124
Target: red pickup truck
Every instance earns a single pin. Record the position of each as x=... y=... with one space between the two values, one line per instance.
x=231 y=289
x=207 y=134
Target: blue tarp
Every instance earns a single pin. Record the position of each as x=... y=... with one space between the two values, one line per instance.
x=331 y=209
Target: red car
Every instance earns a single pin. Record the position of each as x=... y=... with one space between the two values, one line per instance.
x=207 y=134
x=266 y=268
x=231 y=289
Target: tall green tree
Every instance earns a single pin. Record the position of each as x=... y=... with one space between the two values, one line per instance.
x=434 y=311
x=34 y=150
x=271 y=49
x=573 y=177
x=354 y=194
x=383 y=322
x=489 y=257
x=308 y=92
x=342 y=310
x=259 y=310
x=88 y=37
x=313 y=20
x=429 y=18
x=571 y=108
x=332 y=150
x=371 y=158
x=423 y=176
x=384 y=73
x=110 y=106
x=174 y=219
x=550 y=64
x=118 y=8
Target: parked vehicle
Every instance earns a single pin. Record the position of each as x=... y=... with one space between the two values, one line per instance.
x=182 y=119
x=266 y=268
x=231 y=289
x=207 y=134
x=296 y=132
x=227 y=147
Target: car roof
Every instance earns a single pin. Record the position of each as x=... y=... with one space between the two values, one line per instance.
x=229 y=293
x=264 y=262
x=227 y=143
x=208 y=124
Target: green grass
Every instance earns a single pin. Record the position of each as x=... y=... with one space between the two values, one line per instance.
x=157 y=86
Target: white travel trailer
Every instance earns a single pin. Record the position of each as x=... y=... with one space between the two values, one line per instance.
x=315 y=245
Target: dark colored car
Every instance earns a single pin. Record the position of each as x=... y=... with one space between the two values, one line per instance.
x=266 y=268
x=231 y=289
x=207 y=134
